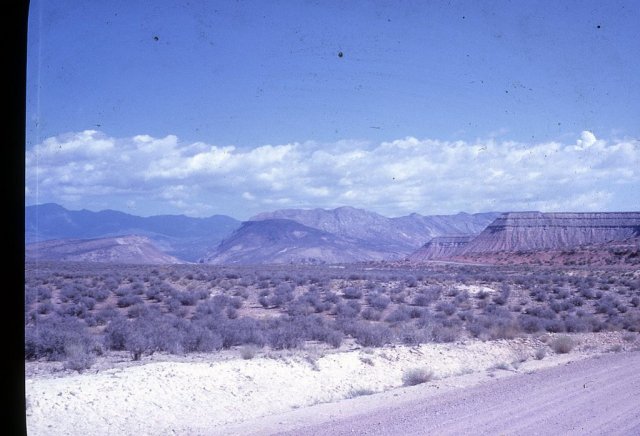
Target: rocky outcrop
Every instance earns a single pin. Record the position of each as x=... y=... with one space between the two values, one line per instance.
x=440 y=247
x=123 y=249
x=537 y=231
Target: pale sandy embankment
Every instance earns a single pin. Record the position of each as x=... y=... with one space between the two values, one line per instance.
x=210 y=395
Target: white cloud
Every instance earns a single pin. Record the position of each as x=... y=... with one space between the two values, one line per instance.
x=393 y=178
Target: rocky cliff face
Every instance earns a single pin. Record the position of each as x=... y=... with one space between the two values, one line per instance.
x=440 y=247
x=123 y=249
x=536 y=231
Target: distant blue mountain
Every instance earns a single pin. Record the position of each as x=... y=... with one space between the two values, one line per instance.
x=186 y=238
x=337 y=235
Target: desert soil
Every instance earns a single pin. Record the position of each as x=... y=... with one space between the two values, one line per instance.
x=316 y=391
x=596 y=396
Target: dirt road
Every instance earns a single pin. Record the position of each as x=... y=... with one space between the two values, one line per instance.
x=596 y=396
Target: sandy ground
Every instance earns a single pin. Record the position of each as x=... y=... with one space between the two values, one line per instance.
x=597 y=396
x=213 y=395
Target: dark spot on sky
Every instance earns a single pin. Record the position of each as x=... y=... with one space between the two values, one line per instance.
x=155 y=38
x=340 y=54
x=463 y=17
x=598 y=26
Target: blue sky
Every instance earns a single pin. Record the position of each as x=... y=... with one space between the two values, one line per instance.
x=240 y=107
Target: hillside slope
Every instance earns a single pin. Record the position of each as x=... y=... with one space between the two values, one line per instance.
x=287 y=241
x=123 y=249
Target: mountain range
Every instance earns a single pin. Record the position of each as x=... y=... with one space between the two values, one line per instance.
x=344 y=234
x=315 y=236
x=186 y=238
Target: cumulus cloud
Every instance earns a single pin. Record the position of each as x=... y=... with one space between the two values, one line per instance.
x=90 y=169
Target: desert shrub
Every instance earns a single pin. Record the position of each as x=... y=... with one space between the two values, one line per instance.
x=137 y=287
x=314 y=327
x=264 y=301
x=416 y=376
x=151 y=333
x=587 y=293
x=45 y=307
x=482 y=295
x=398 y=297
x=378 y=301
x=72 y=310
x=90 y=320
x=245 y=330
x=576 y=301
x=502 y=298
x=359 y=392
x=115 y=334
x=479 y=327
x=635 y=301
x=351 y=292
x=371 y=335
x=554 y=325
x=129 y=300
x=54 y=337
x=415 y=312
x=541 y=312
x=400 y=314
x=462 y=297
x=137 y=310
x=122 y=291
x=607 y=304
x=371 y=314
x=331 y=297
x=88 y=302
x=421 y=300
x=540 y=353
x=576 y=324
x=530 y=324
x=43 y=293
x=174 y=305
x=447 y=308
x=235 y=302
x=300 y=306
x=70 y=293
x=631 y=322
x=200 y=338
x=187 y=298
x=409 y=335
x=232 y=313
x=348 y=310
x=562 y=344
x=539 y=294
x=466 y=315
x=78 y=357
x=30 y=296
x=283 y=334
x=248 y=352
x=153 y=293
